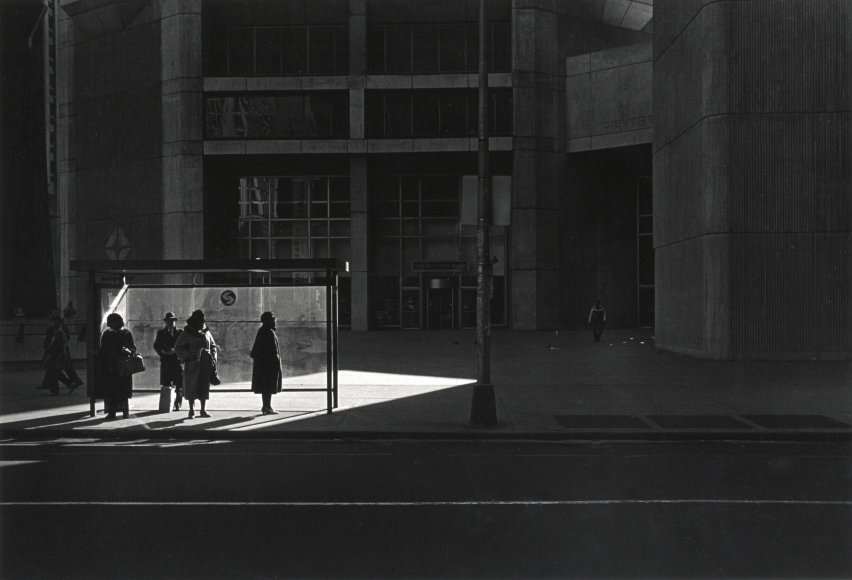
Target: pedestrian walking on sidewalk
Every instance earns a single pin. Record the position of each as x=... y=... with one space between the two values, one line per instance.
x=116 y=345
x=597 y=317
x=266 y=370
x=171 y=372
x=57 y=357
x=197 y=350
x=20 y=335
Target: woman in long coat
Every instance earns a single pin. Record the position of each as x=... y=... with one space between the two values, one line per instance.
x=197 y=350
x=116 y=344
x=266 y=370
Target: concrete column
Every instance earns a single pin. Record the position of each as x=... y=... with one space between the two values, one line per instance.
x=752 y=150
x=358 y=37
x=183 y=197
x=537 y=163
x=359 y=240
x=72 y=284
x=357 y=66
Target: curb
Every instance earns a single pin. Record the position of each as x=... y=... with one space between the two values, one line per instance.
x=772 y=436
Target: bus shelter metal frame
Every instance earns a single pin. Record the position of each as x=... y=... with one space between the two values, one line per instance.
x=331 y=267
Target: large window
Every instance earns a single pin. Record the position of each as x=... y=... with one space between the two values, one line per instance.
x=451 y=47
x=288 y=50
x=319 y=114
x=293 y=217
x=435 y=113
x=416 y=218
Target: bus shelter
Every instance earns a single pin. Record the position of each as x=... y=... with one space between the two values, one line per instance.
x=301 y=292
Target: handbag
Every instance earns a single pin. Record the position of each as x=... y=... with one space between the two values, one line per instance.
x=131 y=365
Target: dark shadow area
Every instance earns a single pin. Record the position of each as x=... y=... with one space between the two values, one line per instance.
x=604 y=254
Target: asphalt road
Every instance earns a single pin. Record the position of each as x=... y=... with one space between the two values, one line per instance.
x=279 y=509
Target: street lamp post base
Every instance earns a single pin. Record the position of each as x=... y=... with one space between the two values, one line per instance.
x=483 y=409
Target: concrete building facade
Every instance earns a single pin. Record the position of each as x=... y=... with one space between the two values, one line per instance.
x=625 y=140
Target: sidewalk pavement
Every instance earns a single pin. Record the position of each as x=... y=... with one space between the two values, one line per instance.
x=417 y=384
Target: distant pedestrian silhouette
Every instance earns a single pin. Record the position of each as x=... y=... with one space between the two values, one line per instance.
x=21 y=332
x=57 y=361
x=597 y=317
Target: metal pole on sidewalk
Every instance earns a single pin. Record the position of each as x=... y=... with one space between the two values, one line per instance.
x=483 y=410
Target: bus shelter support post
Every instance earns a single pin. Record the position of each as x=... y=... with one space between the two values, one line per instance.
x=328 y=345
x=91 y=339
x=334 y=331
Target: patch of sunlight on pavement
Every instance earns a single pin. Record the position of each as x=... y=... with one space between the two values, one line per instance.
x=347 y=377
x=235 y=408
x=22 y=462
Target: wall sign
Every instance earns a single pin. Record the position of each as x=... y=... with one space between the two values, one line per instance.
x=228 y=297
x=439 y=266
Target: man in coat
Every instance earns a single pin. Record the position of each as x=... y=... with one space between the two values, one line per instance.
x=197 y=350
x=266 y=370
x=171 y=372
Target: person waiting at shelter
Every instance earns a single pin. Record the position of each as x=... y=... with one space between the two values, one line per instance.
x=197 y=350
x=266 y=371
x=171 y=372
x=597 y=317
x=116 y=345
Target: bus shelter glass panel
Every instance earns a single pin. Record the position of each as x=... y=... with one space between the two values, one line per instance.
x=233 y=317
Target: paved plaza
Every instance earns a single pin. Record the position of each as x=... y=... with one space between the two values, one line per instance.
x=548 y=385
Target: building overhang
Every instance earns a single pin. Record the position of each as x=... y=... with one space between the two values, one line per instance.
x=97 y=18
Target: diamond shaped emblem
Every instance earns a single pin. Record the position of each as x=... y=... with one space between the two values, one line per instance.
x=117 y=246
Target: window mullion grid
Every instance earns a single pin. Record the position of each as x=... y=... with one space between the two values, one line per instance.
x=438 y=93
x=400 y=240
x=310 y=215
x=384 y=114
x=440 y=27
x=269 y=224
x=420 y=216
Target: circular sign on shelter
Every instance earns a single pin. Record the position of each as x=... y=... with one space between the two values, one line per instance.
x=228 y=297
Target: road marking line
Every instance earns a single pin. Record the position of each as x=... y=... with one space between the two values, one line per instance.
x=427 y=503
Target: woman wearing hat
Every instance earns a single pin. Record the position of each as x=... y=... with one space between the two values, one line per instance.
x=116 y=344
x=171 y=372
x=266 y=370
x=197 y=350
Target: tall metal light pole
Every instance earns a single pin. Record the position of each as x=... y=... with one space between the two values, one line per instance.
x=483 y=410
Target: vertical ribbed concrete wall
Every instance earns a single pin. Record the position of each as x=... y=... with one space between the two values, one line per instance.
x=753 y=178
x=130 y=153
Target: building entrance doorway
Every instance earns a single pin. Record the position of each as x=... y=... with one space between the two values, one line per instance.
x=440 y=304
x=607 y=237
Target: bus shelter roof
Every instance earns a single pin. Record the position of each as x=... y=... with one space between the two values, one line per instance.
x=212 y=266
